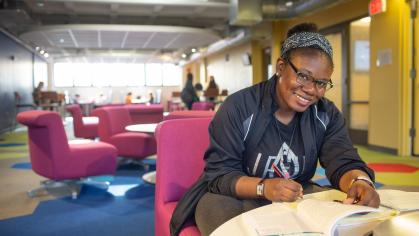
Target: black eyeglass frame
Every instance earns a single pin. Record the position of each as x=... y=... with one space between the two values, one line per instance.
x=304 y=79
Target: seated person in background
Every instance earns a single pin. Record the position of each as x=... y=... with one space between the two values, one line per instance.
x=128 y=98
x=212 y=90
x=76 y=99
x=199 y=90
x=151 y=98
x=266 y=141
x=188 y=94
x=37 y=93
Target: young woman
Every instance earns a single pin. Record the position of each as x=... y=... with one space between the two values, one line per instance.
x=266 y=140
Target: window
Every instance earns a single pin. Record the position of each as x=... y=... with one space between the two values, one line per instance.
x=116 y=74
x=172 y=75
x=153 y=74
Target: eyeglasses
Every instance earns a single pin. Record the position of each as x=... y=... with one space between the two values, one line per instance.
x=305 y=79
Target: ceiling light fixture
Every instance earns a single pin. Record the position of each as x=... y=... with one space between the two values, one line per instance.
x=289 y=4
x=193 y=50
x=37 y=48
x=184 y=55
x=46 y=55
x=61 y=40
x=42 y=51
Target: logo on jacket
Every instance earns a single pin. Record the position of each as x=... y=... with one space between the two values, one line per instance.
x=286 y=161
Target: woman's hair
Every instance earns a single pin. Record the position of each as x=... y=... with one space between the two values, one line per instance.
x=303 y=27
x=305 y=36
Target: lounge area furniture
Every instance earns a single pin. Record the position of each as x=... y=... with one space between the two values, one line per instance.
x=62 y=163
x=112 y=123
x=82 y=129
x=145 y=114
x=179 y=164
x=189 y=114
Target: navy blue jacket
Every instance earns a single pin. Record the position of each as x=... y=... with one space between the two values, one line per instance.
x=240 y=124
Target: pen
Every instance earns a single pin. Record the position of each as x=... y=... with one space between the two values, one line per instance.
x=279 y=173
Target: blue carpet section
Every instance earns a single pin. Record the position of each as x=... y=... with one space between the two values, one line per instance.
x=126 y=208
x=11 y=144
x=320 y=171
x=22 y=165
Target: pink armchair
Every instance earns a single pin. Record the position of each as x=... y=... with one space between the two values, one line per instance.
x=112 y=123
x=82 y=130
x=203 y=106
x=179 y=164
x=52 y=157
x=189 y=114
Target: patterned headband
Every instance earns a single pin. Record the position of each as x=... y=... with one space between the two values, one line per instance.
x=307 y=40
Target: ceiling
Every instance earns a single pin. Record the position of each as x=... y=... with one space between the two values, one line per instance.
x=124 y=30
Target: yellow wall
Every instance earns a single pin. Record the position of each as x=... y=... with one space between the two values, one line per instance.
x=416 y=121
x=388 y=114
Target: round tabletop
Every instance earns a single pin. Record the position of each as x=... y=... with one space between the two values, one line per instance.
x=144 y=128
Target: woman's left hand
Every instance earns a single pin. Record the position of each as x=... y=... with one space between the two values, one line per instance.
x=362 y=193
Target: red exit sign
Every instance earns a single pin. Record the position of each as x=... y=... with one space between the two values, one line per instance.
x=376 y=7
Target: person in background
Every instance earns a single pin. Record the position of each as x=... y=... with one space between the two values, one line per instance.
x=76 y=99
x=151 y=98
x=37 y=93
x=266 y=141
x=128 y=98
x=212 y=90
x=188 y=94
x=199 y=91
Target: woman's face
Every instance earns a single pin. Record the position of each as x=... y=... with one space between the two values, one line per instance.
x=294 y=96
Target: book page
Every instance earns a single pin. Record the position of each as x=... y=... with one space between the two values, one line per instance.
x=399 y=200
x=281 y=221
x=323 y=215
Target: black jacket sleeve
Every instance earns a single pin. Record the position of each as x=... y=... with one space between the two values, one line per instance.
x=337 y=154
x=224 y=157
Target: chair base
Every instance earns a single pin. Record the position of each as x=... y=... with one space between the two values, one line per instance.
x=73 y=186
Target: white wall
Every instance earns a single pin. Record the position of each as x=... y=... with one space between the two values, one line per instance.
x=232 y=74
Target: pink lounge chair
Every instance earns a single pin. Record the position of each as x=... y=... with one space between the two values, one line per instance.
x=81 y=129
x=189 y=114
x=179 y=164
x=62 y=163
x=112 y=123
x=203 y=106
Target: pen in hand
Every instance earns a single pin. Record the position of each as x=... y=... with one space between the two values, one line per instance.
x=285 y=176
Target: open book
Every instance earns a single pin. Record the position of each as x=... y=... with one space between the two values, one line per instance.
x=314 y=217
x=399 y=200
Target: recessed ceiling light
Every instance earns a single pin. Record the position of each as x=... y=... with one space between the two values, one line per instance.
x=289 y=4
x=193 y=50
x=46 y=55
x=61 y=40
x=37 y=48
x=42 y=51
x=183 y=55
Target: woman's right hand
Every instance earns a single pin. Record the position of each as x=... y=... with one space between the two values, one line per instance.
x=282 y=190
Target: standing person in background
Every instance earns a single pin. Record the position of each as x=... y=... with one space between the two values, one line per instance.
x=188 y=94
x=212 y=90
x=128 y=98
x=266 y=141
x=37 y=93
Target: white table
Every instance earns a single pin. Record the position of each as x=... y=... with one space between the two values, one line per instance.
x=405 y=224
x=149 y=177
x=144 y=128
x=90 y=120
